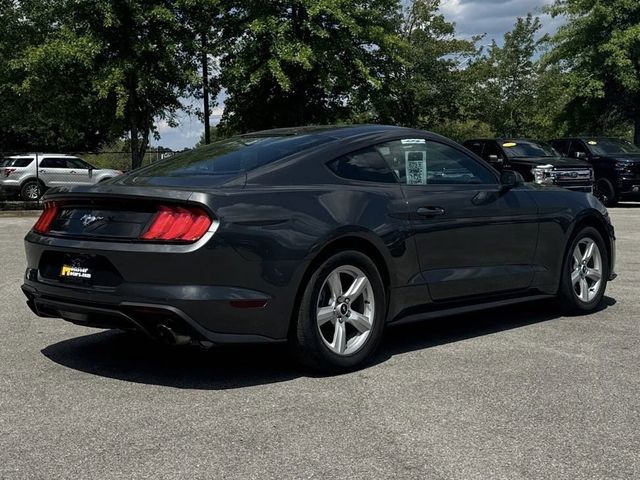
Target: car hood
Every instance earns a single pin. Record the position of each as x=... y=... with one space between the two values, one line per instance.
x=555 y=161
x=626 y=157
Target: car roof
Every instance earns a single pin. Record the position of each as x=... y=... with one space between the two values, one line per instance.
x=587 y=138
x=334 y=131
x=503 y=139
x=32 y=155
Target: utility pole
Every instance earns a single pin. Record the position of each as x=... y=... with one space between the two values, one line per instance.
x=205 y=88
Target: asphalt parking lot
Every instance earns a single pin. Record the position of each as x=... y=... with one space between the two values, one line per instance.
x=520 y=392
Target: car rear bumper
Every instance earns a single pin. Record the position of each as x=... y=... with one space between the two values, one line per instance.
x=190 y=311
x=9 y=186
x=194 y=287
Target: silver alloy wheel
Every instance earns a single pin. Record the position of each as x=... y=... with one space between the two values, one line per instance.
x=345 y=310
x=586 y=270
x=33 y=192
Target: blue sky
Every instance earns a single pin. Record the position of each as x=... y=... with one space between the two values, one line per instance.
x=472 y=17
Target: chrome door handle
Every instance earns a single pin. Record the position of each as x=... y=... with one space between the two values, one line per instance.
x=42 y=171
x=431 y=211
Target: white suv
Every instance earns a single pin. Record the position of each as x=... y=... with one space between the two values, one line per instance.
x=18 y=173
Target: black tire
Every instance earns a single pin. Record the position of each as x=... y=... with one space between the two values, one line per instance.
x=28 y=188
x=604 y=191
x=569 y=297
x=307 y=338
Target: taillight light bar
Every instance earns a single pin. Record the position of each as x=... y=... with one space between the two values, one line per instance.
x=8 y=171
x=48 y=216
x=177 y=224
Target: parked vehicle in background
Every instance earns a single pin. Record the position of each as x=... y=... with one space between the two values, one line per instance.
x=616 y=164
x=535 y=161
x=320 y=236
x=19 y=175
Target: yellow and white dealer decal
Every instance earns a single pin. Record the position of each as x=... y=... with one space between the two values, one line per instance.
x=74 y=272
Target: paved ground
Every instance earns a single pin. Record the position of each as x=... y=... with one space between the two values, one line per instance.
x=515 y=393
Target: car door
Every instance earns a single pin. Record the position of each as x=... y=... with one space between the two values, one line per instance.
x=53 y=171
x=472 y=238
x=80 y=172
x=601 y=168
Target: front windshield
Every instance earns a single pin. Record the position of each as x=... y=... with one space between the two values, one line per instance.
x=228 y=157
x=519 y=148
x=611 y=146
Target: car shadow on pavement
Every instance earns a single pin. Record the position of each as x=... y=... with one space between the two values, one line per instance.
x=132 y=358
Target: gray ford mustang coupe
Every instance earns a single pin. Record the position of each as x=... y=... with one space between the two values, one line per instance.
x=318 y=236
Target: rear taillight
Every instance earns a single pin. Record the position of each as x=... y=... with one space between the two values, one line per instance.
x=48 y=215
x=177 y=224
x=8 y=171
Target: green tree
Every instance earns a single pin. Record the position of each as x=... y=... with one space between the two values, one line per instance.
x=94 y=70
x=144 y=57
x=599 y=46
x=301 y=61
x=423 y=81
x=47 y=98
x=507 y=81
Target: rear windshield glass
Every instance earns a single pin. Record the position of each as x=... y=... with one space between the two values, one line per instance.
x=228 y=157
x=516 y=149
x=19 y=162
x=612 y=146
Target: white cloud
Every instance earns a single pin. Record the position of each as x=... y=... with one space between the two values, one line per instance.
x=494 y=17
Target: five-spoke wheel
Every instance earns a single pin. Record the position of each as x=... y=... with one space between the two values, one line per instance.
x=341 y=315
x=346 y=310
x=586 y=271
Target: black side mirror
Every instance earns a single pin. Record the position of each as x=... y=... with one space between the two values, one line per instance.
x=495 y=159
x=510 y=179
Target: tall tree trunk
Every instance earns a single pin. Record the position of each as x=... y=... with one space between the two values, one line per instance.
x=205 y=90
x=636 y=130
x=136 y=161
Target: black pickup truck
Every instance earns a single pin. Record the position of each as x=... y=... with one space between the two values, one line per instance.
x=536 y=161
x=616 y=164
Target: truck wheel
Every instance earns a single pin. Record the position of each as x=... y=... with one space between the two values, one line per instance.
x=603 y=190
x=31 y=190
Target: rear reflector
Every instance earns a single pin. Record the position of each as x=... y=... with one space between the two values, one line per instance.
x=48 y=215
x=248 y=303
x=177 y=224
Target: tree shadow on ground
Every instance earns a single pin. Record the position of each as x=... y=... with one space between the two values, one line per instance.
x=132 y=358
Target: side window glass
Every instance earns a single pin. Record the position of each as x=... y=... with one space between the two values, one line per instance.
x=577 y=147
x=562 y=146
x=76 y=163
x=425 y=162
x=364 y=165
x=475 y=147
x=492 y=152
x=53 y=163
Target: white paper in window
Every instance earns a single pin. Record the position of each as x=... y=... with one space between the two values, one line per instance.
x=416 y=167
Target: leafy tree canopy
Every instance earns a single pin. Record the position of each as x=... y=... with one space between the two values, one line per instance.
x=599 y=48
